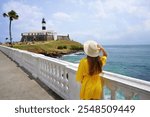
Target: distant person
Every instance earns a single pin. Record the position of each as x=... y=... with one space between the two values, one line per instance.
x=89 y=70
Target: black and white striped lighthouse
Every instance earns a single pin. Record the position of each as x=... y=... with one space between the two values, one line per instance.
x=43 y=24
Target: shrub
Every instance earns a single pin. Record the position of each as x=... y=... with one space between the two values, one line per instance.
x=65 y=47
x=74 y=47
x=62 y=47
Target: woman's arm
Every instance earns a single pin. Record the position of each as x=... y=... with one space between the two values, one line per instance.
x=103 y=51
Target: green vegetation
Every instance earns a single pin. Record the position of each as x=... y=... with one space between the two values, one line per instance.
x=12 y=15
x=62 y=47
x=51 y=48
x=74 y=47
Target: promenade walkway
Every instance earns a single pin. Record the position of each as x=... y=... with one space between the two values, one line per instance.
x=17 y=84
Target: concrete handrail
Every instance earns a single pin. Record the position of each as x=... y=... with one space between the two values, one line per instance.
x=59 y=76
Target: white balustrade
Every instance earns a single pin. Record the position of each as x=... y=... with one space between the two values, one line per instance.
x=59 y=76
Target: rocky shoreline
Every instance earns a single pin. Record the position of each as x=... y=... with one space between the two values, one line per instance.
x=57 y=54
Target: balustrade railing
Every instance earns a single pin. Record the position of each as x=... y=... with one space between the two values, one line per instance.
x=59 y=76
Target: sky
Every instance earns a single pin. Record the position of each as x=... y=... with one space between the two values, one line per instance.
x=109 y=22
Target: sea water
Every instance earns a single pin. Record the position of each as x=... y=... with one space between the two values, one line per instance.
x=129 y=60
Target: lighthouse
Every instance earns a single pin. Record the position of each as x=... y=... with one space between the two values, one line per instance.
x=43 y=24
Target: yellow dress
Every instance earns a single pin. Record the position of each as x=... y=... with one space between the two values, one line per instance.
x=91 y=86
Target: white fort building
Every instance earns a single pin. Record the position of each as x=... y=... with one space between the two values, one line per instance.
x=43 y=35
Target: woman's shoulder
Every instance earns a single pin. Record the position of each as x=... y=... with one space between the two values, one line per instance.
x=83 y=60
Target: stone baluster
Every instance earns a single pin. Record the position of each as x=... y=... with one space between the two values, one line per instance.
x=113 y=92
x=112 y=87
x=128 y=94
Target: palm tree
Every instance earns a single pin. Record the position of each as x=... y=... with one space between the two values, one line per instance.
x=12 y=15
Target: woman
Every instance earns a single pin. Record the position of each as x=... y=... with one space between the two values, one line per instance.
x=89 y=70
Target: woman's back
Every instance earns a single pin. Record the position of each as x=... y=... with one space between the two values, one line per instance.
x=91 y=84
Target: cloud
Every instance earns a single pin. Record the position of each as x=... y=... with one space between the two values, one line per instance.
x=128 y=17
x=116 y=17
x=103 y=9
x=111 y=21
x=146 y=24
x=29 y=16
x=77 y=2
x=113 y=9
x=61 y=16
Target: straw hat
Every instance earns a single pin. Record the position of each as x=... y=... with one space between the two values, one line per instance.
x=91 y=49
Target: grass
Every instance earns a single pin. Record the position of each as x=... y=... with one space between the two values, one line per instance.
x=51 y=48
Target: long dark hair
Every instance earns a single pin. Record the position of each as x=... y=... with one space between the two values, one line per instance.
x=95 y=65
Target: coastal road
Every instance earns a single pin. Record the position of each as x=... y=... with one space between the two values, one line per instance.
x=17 y=84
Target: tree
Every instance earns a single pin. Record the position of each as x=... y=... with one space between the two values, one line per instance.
x=12 y=15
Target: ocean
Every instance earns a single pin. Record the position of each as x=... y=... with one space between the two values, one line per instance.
x=129 y=60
